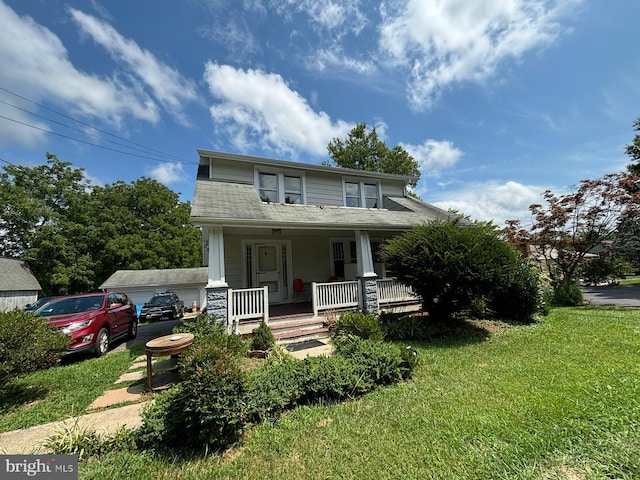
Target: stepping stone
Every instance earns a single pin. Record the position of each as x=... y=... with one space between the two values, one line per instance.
x=131 y=394
x=137 y=365
x=131 y=376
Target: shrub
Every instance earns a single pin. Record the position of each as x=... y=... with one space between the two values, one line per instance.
x=207 y=409
x=27 y=344
x=207 y=329
x=567 y=294
x=329 y=379
x=87 y=443
x=375 y=363
x=275 y=387
x=451 y=264
x=263 y=338
x=398 y=326
x=359 y=324
x=516 y=296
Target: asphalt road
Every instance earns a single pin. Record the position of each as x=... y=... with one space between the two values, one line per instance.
x=625 y=296
x=146 y=332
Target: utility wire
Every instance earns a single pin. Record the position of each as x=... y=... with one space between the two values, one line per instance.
x=178 y=159
x=93 y=144
x=169 y=156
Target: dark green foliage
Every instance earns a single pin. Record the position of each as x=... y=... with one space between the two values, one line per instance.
x=516 y=293
x=27 y=344
x=567 y=294
x=275 y=387
x=451 y=264
x=262 y=338
x=207 y=410
x=359 y=324
x=396 y=326
x=207 y=328
x=75 y=235
x=375 y=363
x=363 y=150
x=329 y=379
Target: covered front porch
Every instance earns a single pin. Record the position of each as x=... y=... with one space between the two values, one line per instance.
x=257 y=274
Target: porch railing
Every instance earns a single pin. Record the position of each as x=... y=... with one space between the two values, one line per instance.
x=335 y=295
x=391 y=290
x=248 y=303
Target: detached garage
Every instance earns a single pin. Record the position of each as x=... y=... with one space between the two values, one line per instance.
x=18 y=286
x=141 y=285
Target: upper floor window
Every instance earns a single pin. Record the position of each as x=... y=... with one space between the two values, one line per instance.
x=268 y=185
x=277 y=187
x=351 y=194
x=292 y=189
x=358 y=194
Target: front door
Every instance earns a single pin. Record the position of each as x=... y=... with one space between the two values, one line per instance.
x=268 y=270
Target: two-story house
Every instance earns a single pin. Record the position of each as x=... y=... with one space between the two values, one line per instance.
x=276 y=231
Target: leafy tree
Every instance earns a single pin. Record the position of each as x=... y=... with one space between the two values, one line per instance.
x=453 y=264
x=626 y=244
x=363 y=150
x=31 y=198
x=570 y=226
x=75 y=235
x=633 y=150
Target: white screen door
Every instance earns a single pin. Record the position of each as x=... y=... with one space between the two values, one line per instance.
x=268 y=270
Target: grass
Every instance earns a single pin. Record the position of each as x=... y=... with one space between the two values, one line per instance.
x=555 y=400
x=59 y=392
x=630 y=280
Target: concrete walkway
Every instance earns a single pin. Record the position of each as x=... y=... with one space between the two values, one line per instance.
x=108 y=415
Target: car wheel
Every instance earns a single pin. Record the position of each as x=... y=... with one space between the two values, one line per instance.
x=181 y=312
x=102 y=342
x=133 y=328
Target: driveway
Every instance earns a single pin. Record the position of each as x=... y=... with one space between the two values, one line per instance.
x=628 y=296
x=146 y=332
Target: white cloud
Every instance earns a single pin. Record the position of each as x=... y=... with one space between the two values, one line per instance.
x=446 y=42
x=259 y=109
x=492 y=201
x=433 y=156
x=167 y=173
x=169 y=87
x=338 y=17
x=41 y=71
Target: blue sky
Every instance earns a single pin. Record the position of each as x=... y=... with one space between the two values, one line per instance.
x=498 y=100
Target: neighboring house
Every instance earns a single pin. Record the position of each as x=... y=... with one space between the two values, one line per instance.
x=270 y=226
x=140 y=285
x=18 y=286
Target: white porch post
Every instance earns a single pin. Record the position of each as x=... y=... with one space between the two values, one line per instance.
x=366 y=274
x=217 y=287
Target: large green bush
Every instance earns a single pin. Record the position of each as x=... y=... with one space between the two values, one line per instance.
x=27 y=344
x=207 y=409
x=452 y=263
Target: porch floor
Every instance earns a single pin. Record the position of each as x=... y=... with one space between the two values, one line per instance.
x=289 y=310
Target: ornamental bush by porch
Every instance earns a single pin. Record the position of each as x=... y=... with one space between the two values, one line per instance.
x=450 y=264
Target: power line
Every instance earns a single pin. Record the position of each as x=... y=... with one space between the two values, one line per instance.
x=87 y=133
x=105 y=132
x=94 y=144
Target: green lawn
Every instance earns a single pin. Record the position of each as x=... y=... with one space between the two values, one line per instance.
x=59 y=392
x=632 y=280
x=554 y=400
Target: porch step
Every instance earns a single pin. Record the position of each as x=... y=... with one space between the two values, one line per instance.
x=298 y=329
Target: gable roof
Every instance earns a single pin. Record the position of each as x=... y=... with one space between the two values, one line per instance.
x=15 y=275
x=156 y=278
x=234 y=204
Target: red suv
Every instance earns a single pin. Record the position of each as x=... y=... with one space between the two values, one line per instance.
x=93 y=320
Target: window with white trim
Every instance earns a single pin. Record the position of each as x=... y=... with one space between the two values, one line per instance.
x=279 y=187
x=351 y=194
x=361 y=194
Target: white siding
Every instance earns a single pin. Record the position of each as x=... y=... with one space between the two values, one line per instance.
x=229 y=171
x=17 y=299
x=310 y=257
